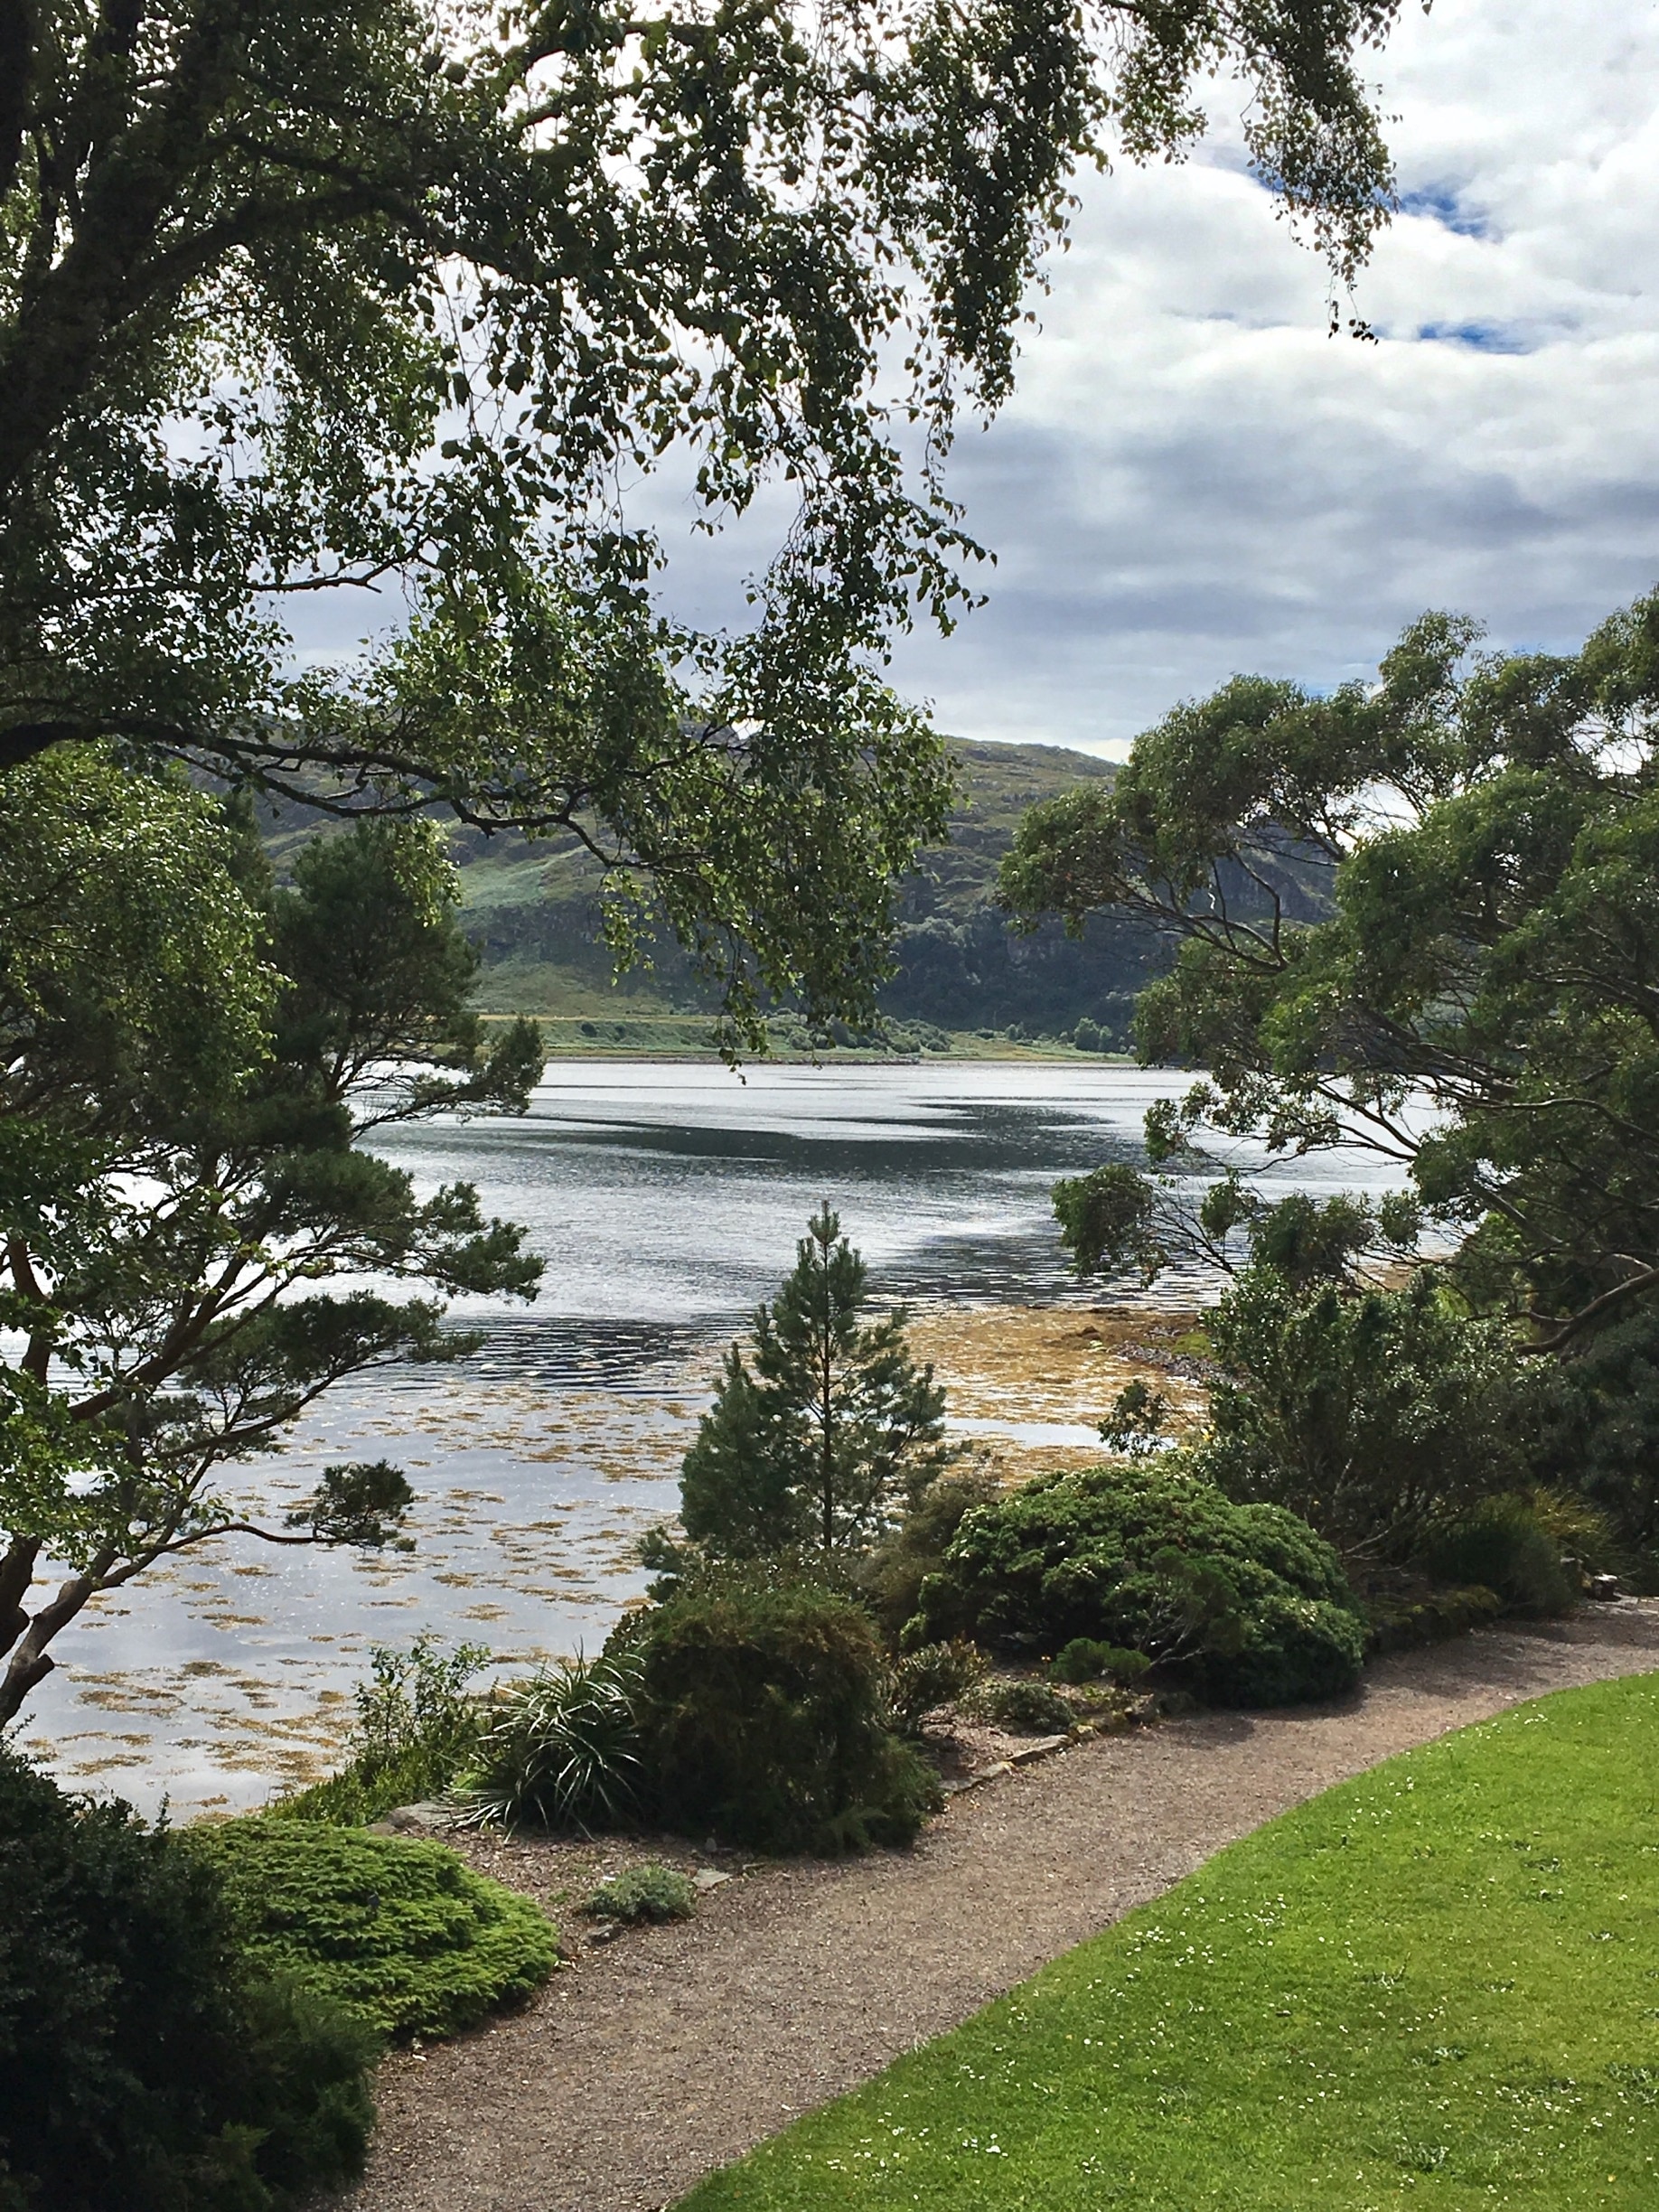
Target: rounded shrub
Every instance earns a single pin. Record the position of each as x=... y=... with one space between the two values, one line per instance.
x=404 y=1934
x=1244 y=1602
x=1502 y=1545
x=1084 y=1660
x=763 y=1717
x=145 y=2064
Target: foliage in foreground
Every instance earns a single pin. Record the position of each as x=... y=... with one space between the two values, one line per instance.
x=764 y=1717
x=146 y=2064
x=404 y=1934
x=1432 y=1986
x=1245 y=1601
x=292 y=295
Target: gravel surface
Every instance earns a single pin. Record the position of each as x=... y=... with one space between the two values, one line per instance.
x=673 y=2049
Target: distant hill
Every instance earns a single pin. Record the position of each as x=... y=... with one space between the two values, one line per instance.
x=533 y=910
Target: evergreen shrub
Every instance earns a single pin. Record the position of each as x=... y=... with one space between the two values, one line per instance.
x=1244 y=1604
x=1503 y=1546
x=763 y=1717
x=1408 y=1625
x=890 y=1577
x=403 y=1932
x=1025 y=1707
x=1086 y=1660
x=145 y=2066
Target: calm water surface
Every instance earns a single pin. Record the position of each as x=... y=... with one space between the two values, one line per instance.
x=666 y=1200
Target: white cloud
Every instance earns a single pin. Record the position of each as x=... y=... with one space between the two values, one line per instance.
x=1193 y=479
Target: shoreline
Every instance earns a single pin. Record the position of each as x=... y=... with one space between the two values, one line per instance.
x=966 y=1047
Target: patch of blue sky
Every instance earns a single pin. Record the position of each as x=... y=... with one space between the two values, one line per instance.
x=1481 y=337
x=1441 y=204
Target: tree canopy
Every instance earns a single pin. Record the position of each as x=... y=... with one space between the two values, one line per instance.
x=1420 y=914
x=295 y=299
x=189 y=1053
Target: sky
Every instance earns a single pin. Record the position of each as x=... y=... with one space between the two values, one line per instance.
x=1195 y=480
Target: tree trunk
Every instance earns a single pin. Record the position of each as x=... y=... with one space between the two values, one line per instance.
x=31 y=1663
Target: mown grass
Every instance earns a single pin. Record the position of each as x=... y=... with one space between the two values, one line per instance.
x=1436 y=1986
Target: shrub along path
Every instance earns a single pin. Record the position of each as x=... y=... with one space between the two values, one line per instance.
x=682 y=2047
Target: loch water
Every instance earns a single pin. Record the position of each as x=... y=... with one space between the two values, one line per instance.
x=665 y=1199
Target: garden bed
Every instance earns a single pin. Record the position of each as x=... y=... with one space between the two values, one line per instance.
x=674 y=2049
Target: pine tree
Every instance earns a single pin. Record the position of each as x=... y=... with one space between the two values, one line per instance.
x=834 y=1425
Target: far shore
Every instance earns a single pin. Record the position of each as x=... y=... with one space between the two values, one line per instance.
x=688 y=1039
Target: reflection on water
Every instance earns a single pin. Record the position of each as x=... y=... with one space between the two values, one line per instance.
x=666 y=1200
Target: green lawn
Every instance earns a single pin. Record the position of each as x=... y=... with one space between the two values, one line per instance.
x=1436 y=1986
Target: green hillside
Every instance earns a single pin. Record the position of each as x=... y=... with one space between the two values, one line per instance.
x=532 y=909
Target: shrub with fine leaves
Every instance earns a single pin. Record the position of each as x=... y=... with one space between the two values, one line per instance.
x=403 y=1932
x=763 y=1717
x=1243 y=1601
x=563 y=1749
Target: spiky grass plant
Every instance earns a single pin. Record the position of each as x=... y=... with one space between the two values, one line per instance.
x=562 y=1751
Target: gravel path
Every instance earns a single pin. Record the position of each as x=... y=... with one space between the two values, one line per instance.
x=677 y=2048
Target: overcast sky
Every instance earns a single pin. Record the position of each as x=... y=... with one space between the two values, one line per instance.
x=1193 y=479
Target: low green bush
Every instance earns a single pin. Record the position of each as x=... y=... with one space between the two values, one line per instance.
x=145 y=2063
x=1084 y=1660
x=563 y=1750
x=763 y=1717
x=1242 y=1603
x=1408 y=1623
x=649 y=1892
x=1503 y=1545
x=404 y=1934
x=1025 y=1707
x=416 y=1727
x=919 y=1682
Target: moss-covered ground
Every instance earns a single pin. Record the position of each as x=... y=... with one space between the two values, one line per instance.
x=1436 y=1986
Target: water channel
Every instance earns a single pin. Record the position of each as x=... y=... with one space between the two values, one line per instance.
x=666 y=1200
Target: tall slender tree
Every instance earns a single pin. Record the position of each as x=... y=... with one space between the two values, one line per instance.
x=836 y=1425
